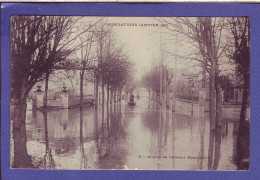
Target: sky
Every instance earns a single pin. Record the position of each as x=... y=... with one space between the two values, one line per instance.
x=141 y=43
x=143 y=38
x=144 y=42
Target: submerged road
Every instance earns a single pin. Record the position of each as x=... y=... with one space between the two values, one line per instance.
x=144 y=136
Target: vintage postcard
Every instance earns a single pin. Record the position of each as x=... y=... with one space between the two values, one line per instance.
x=129 y=93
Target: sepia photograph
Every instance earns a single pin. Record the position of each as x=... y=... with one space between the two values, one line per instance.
x=129 y=93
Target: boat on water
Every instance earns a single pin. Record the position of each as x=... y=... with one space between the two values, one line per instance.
x=131 y=101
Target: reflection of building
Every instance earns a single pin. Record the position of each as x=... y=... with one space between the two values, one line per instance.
x=238 y=93
x=63 y=128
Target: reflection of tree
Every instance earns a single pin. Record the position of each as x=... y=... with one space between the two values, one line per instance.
x=166 y=128
x=202 y=132
x=158 y=124
x=162 y=133
x=183 y=121
x=101 y=139
x=110 y=141
x=243 y=139
x=211 y=146
x=240 y=149
x=83 y=158
x=48 y=159
x=96 y=122
x=234 y=133
x=150 y=120
x=160 y=137
x=217 y=148
x=173 y=139
x=214 y=143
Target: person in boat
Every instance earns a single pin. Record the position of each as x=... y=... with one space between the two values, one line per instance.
x=132 y=98
x=138 y=97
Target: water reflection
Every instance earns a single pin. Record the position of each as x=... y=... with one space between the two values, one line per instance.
x=83 y=158
x=214 y=145
x=118 y=136
x=48 y=159
x=202 y=133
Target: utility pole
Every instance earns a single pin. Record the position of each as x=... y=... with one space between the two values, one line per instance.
x=161 y=69
x=150 y=80
x=167 y=87
x=175 y=77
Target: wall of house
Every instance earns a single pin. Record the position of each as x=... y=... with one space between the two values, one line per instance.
x=238 y=94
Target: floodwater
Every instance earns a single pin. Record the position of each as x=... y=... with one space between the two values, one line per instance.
x=143 y=137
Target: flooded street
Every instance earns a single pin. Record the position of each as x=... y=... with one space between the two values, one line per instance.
x=128 y=93
x=120 y=136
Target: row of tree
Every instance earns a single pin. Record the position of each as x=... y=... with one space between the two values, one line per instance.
x=114 y=68
x=156 y=80
x=41 y=44
x=102 y=60
x=213 y=40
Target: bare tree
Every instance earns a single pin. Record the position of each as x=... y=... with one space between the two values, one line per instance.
x=151 y=80
x=37 y=44
x=101 y=32
x=114 y=69
x=205 y=35
x=86 y=58
x=70 y=44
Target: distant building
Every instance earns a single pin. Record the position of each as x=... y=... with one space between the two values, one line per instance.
x=238 y=93
x=142 y=92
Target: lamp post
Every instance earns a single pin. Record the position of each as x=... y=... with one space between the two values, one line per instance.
x=192 y=90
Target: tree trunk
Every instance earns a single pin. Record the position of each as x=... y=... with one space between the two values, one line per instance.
x=21 y=157
x=204 y=66
x=120 y=95
x=218 y=106
x=107 y=94
x=103 y=94
x=167 y=90
x=211 y=148
x=161 y=84
x=114 y=97
x=213 y=94
x=96 y=93
x=48 y=159
x=111 y=96
x=245 y=99
x=45 y=101
x=81 y=88
x=218 y=96
x=96 y=123
x=243 y=138
x=217 y=149
x=149 y=94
